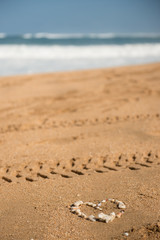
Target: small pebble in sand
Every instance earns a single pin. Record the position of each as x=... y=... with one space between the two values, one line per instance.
x=119 y=214
x=126 y=234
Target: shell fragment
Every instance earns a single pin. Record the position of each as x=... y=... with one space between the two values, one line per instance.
x=91 y=218
x=78 y=203
x=121 y=205
x=106 y=218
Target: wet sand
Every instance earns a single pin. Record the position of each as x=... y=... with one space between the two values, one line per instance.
x=85 y=135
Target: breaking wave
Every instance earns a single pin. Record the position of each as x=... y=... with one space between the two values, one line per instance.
x=79 y=52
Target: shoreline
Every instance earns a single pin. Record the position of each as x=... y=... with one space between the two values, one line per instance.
x=81 y=70
x=82 y=135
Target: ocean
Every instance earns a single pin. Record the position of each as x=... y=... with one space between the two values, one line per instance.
x=47 y=52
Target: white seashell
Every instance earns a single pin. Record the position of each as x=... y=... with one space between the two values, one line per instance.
x=121 y=205
x=126 y=234
x=94 y=205
x=91 y=218
x=78 y=203
x=99 y=208
x=89 y=203
x=111 y=200
x=107 y=218
x=78 y=211
x=101 y=216
x=112 y=215
x=73 y=209
x=83 y=215
x=99 y=204
x=103 y=201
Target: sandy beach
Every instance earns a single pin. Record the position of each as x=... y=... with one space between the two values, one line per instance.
x=84 y=135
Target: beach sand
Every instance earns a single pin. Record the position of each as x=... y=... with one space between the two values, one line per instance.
x=84 y=135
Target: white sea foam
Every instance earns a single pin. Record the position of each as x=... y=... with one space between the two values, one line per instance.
x=22 y=59
x=3 y=35
x=27 y=35
x=84 y=35
x=93 y=35
x=79 y=52
x=73 y=35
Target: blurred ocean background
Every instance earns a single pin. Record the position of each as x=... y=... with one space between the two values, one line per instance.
x=47 y=52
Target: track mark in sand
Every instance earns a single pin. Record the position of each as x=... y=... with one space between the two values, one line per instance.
x=77 y=172
x=7 y=170
x=146 y=195
x=83 y=122
x=7 y=179
x=29 y=179
x=101 y=165
x=18 y=175
x=58 y=164
x=134 y=168
x=53 y=172
x=65 y=176
x=85 y=167
x=42 y=176
x=142 y=164
x=73 y=160
x=99 y=171
x=110 y=168
x=61 y=174
x=89 y=160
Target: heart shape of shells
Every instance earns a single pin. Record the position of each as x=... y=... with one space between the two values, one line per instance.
x=75 y=208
